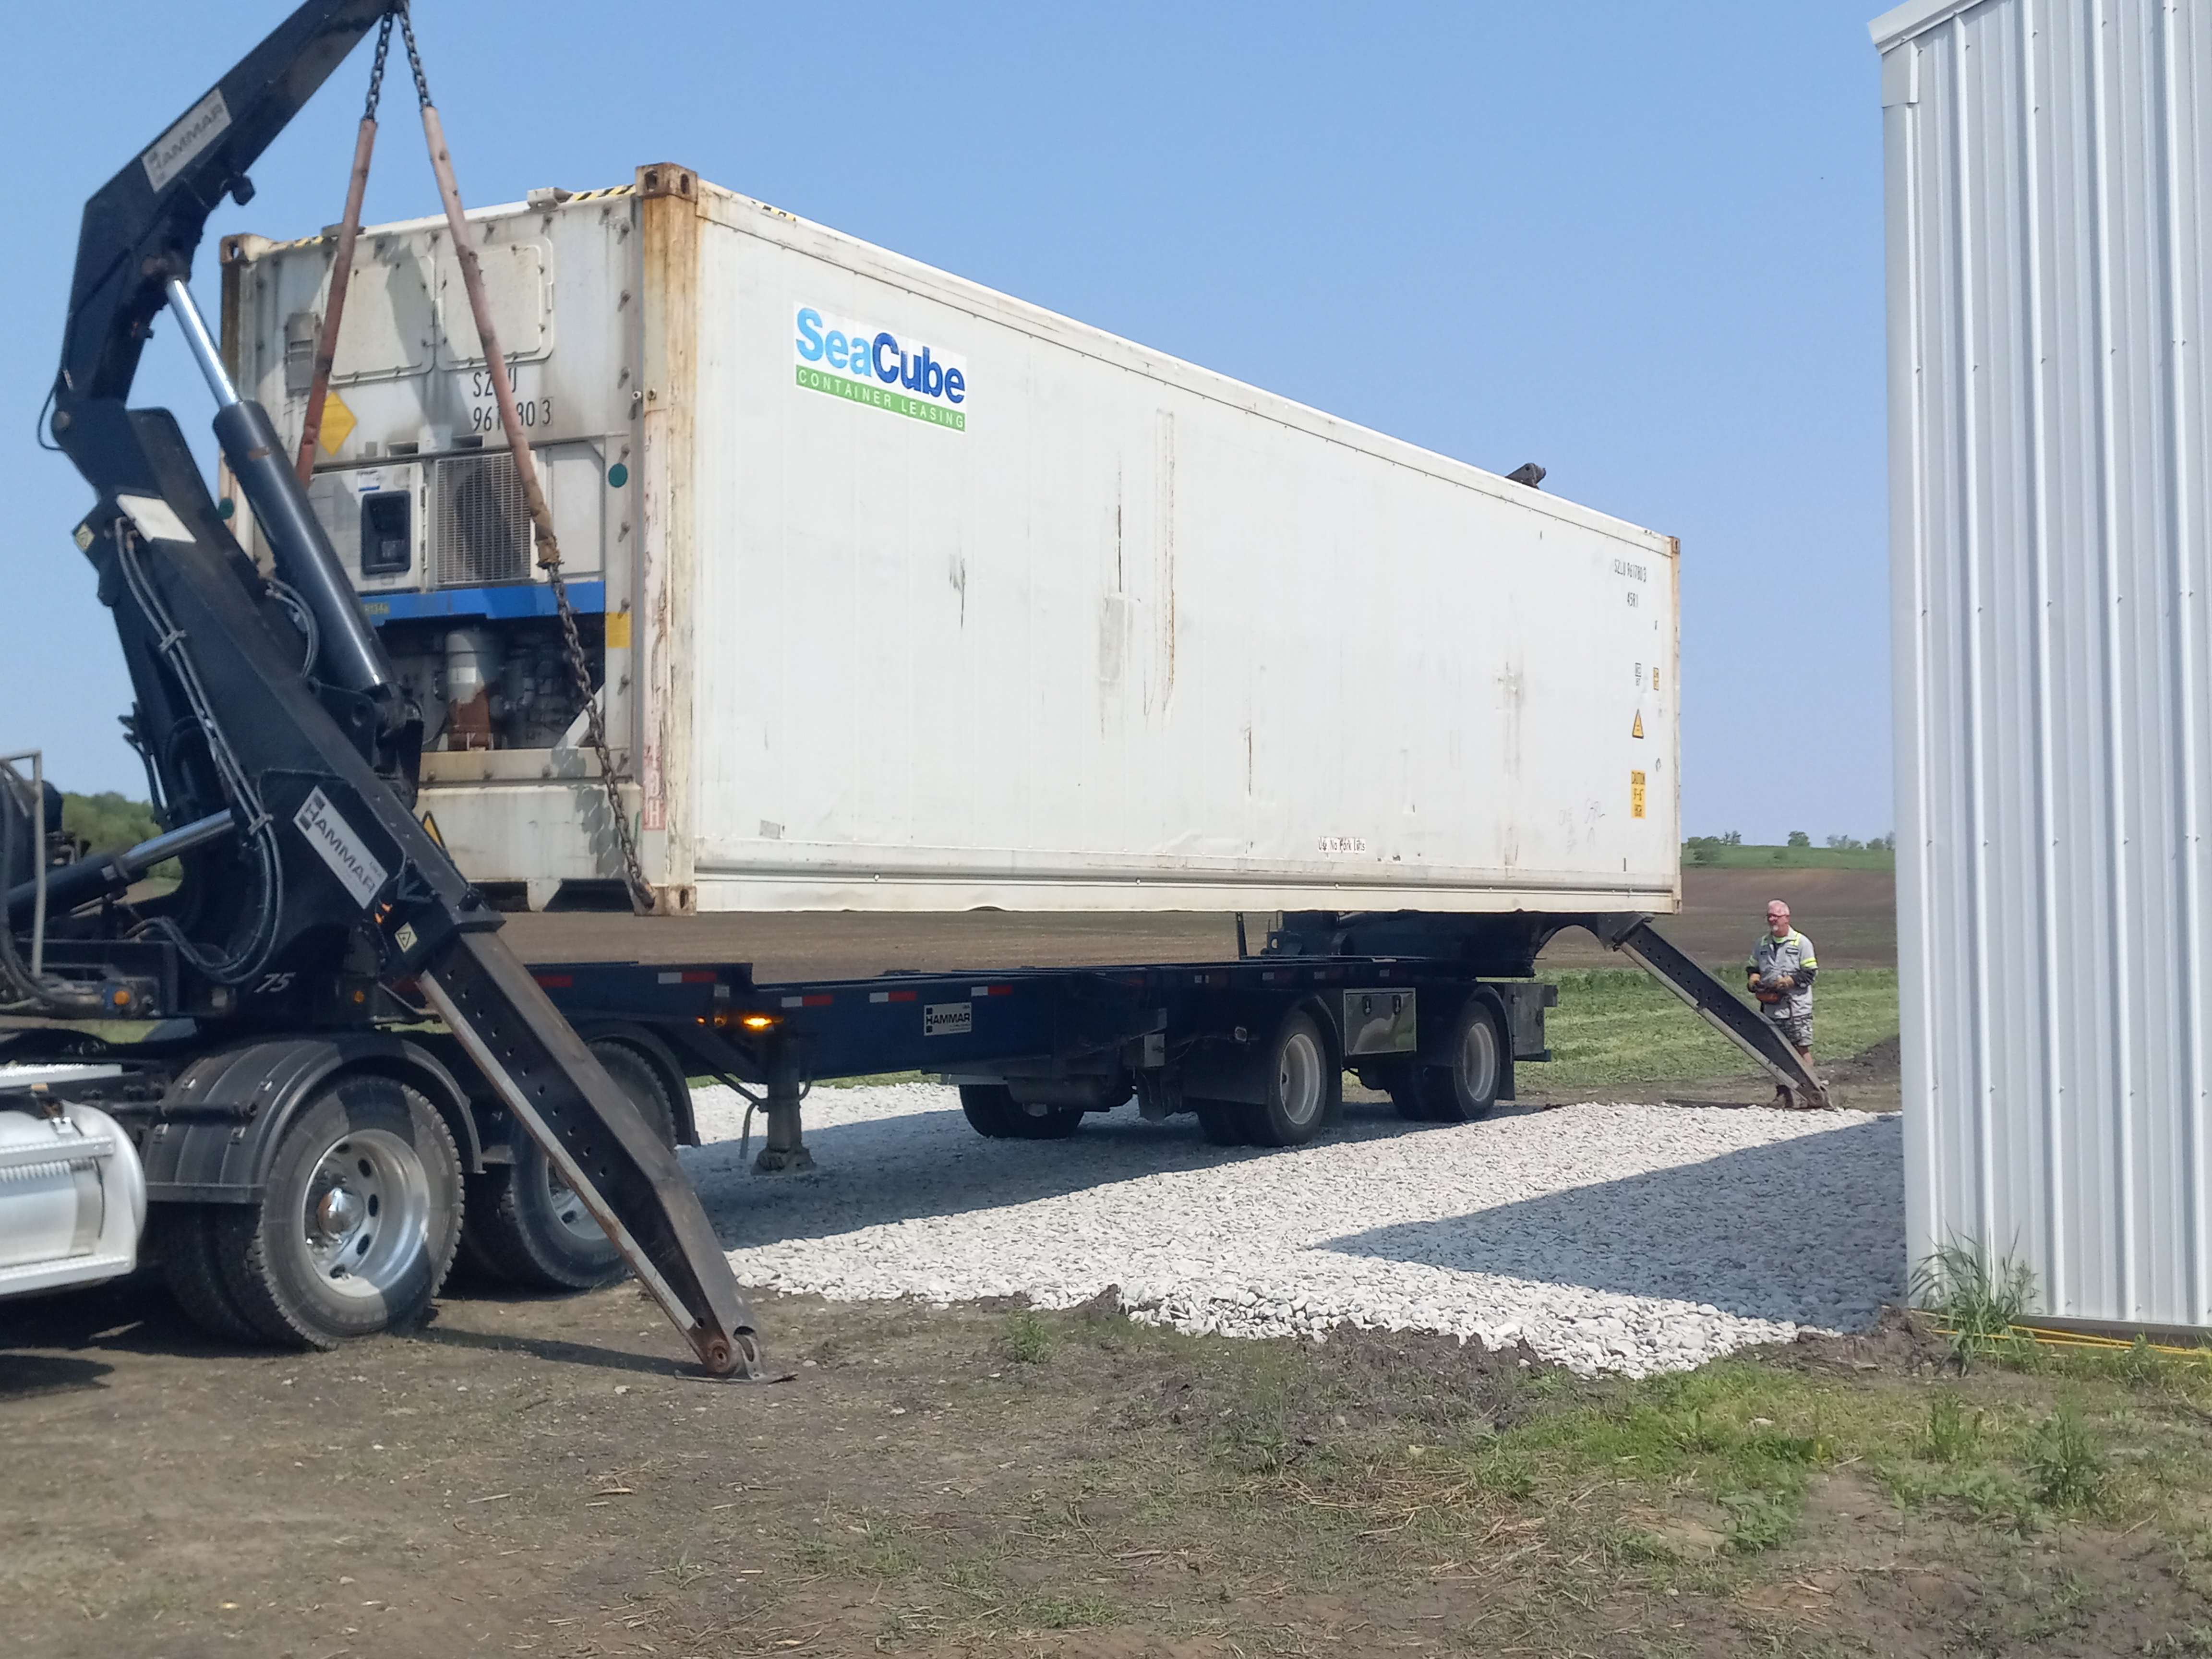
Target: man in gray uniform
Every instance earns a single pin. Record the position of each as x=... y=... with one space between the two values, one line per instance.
x=1781 y=972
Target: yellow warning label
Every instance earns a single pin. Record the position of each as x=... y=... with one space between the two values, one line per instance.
x=1638 y=731
x=618 y=629
x=1655 y=677
x=338 y=424
x=1636 y=795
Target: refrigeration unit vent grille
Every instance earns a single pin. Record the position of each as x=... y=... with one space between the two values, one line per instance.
x=479 y=526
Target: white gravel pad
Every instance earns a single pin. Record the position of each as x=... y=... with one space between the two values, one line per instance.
x=1609 y=1238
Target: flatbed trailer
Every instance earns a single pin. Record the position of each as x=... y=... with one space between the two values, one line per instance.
x=1437 y=1012
x=1033 y=1049
x=337 y=1074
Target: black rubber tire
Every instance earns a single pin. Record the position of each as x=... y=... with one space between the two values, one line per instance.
x=264 y=1251
x=992 y=1111
x=1466 y=1090
x=1409 y=1087
x=1221 y=1122
x=181 y=1238
x=1305 y=1087
x=525 y=1227
x=988 y=1108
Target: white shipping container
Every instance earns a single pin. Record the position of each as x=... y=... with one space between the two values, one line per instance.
x=910 y=596
x=2049 y=296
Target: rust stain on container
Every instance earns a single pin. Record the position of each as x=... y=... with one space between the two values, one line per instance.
x=668 y=197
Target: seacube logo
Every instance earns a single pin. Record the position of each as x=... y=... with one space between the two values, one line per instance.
x=865 y=364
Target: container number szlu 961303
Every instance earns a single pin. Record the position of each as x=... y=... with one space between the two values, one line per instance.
x=483 y=417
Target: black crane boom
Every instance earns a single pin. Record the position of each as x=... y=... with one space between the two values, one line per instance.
x=262 y=695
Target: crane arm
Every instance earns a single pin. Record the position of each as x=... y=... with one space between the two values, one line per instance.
x=300 y=733
x=141 y=228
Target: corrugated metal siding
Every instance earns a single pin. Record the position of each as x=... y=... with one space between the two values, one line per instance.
x=2046 y=164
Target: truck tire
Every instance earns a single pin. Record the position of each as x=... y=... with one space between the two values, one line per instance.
x=1305 y=1089
x=1222 y=1122
x=1408 y=1089
x=357 y=1224
x=1466 y=1089
x=991 y=1109
x=181 y=1237
x=525 y=1225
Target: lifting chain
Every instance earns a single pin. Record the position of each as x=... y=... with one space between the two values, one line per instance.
x=541 y=516
x=326 y=344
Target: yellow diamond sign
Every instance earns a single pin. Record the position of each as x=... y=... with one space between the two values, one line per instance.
x=338 y=424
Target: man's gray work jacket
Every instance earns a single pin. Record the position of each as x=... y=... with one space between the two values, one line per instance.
x=1792 y=955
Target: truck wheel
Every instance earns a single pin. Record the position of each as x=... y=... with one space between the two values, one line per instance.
x=527 y=1224
x=1304 y=1090
x=991 y=1109
x=1221 y=1122
x=358 y=1223
x=1467 y=1089
x=181 y=1237
x=1409 y=1087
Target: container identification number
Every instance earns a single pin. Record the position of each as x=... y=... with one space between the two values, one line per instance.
x=483 y=417
x=532 y=411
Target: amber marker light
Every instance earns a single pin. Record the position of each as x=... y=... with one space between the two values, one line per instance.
x=724 y=1019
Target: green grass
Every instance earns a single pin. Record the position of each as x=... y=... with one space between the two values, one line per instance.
x=1213 y=1476
x=1980 y=1300
x=1030 y=1339
x=2065 y=1470
x=1619 y=1025
x=1707 y=856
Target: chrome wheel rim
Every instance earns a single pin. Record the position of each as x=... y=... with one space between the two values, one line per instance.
x=566 y=1208
x=366 y=1219
x=1478 y=1059
x=1298 y=1076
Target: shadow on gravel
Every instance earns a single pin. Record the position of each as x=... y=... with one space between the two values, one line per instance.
x=923 y=1164
x=1810 y=1230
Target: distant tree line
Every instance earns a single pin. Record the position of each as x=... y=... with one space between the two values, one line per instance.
x=107 y=822
x=1844 y=844
x=1716 y=849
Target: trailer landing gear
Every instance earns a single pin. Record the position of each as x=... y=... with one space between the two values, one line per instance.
x=784 y=1153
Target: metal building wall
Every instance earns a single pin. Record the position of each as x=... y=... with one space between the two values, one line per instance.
x=2046 y=172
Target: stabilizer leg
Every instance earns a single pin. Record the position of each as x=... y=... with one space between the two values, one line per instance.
x=1634 y=936
x=786 y=1150
x=595 y=1138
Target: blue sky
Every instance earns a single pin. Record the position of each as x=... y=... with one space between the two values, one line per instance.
x=1639 y=244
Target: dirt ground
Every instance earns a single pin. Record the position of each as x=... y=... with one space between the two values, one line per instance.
x=1851 y=915
x=538 y=1477
x=1871 y=1081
